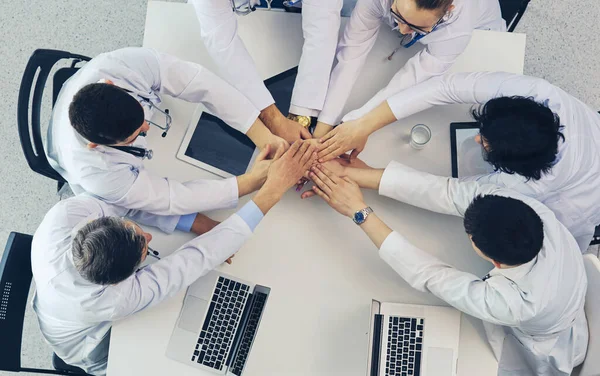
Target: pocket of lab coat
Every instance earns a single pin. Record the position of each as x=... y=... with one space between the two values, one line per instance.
x=95 y=350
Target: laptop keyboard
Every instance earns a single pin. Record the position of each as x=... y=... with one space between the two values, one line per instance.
x=404 y=347
x=220 y=324
x=251 y=327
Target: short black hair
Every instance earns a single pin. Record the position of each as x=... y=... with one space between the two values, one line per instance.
x=107 y=250
x=105 y=114
x=504 y=229
x=522 y=135
x=434 y=4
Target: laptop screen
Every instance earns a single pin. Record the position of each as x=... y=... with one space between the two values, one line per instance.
x=218 y=145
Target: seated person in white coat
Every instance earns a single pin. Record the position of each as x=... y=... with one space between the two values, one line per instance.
x=542 y=142
x=85 y=260
x=320 y=25
x=90 y=117
x=444 y=27
x=531 y=303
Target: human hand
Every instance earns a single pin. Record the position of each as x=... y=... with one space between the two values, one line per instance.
x=336 y=166
x=342 y=194
x=276 y=145
x=287 y=170
x=203 y=224
x=345 y=137
x=287 y=129
x=346 y=161
x=302 y=182
x=261 y=165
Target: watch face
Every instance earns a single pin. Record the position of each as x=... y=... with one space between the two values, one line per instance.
x=359 y=217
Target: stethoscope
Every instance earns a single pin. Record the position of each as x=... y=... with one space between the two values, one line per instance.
x=142 y=152
x=153 y=253
x=245 y=8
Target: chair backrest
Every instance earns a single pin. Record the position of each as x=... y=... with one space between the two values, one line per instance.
x=15 y=280
x=591 y=365
x=31 y=91
x=512 y=11
x=596 y=238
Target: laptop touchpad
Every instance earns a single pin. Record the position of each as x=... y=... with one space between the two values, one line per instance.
x=192 y=314
x=439 y=361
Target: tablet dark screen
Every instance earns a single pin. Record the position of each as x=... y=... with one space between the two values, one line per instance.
x=216 y=144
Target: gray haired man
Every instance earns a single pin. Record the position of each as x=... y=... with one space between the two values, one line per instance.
x=85 y=259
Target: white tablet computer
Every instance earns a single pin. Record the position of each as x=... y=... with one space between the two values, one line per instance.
x=214 y=146
x=467 y=155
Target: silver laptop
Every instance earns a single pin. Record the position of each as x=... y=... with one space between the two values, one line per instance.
x=413 y=340
x=218 y=323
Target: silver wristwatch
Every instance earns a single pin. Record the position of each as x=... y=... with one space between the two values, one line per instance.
x=361 y=216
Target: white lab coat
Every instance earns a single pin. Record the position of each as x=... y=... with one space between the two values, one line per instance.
x=442 y=48
x=320 y=25
x=75 y=315
x=120 y=178
x=533 y=313
x=570 y=189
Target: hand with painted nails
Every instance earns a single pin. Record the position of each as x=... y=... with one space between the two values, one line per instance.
x=341 y=193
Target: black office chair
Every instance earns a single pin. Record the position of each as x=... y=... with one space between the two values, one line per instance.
x=15 y=280
x=596 y=238
x=32 y=87
x=512 y=11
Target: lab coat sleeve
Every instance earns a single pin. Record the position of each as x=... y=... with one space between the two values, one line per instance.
x=355 y=44
x=219 y=31
x=167 y=74
x=435 y=193
x=464 y=291
x=194 y=83
x=320 y=26
x=142 y=190
x=165 y=278
x=469 y=88
x=514 y=182
x=165 y=223
x=436 y=59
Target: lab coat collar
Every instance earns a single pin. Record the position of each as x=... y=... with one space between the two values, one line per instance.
x=516 y=273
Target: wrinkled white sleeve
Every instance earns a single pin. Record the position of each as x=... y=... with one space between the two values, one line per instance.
x=320 y=26
x=435 y=193
x=165 y=278
x=219 y=31
x=143 y=190
x=167 y=74
x=165 y=223
x=470 y=88
x=436 y=59
x=464 y=291
x=355 y=44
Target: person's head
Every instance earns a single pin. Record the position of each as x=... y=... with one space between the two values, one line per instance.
x=106 y=115
x=519 y=135
x=422 y=15
x=503 y=230
x=108 y=250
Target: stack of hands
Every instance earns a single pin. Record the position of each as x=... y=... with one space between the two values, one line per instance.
x=302 y=162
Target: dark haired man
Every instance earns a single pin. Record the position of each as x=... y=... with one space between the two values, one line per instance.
x=444 y=27
x=531 y=303
x=106 y=104
x=543 y=142
x=85 y=259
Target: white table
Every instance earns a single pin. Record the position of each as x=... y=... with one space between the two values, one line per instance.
x=322 y=269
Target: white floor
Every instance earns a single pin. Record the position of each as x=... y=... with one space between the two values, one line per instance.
x=562 y=47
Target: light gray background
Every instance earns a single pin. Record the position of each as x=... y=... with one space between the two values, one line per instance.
x=562 y=47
